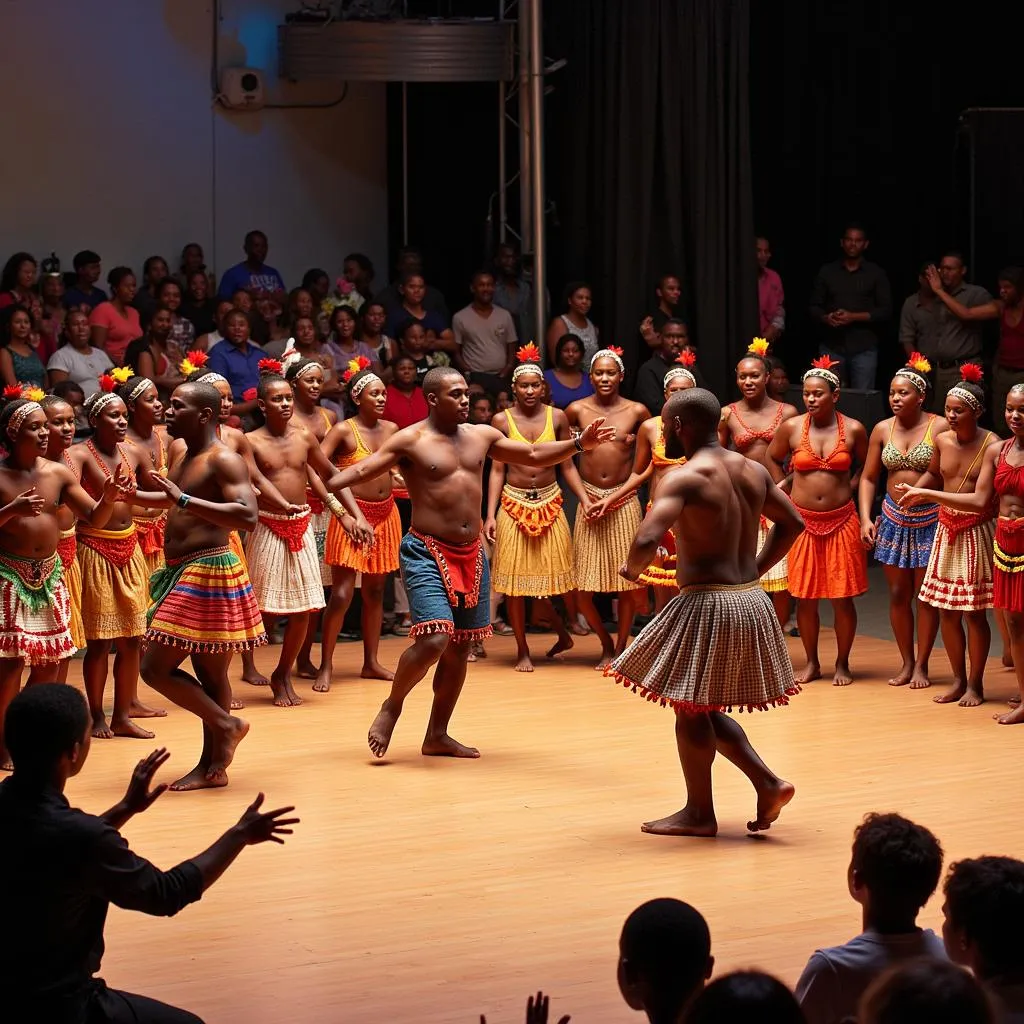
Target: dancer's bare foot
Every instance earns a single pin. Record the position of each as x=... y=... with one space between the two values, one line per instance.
x=524 y=663
x=1014 y=701
x=770 y=801
x=919 y=680
x=233 y=735
x=284 y=693
x=255 y=678
x=383 y=726
x=100 y=728
x=606 y=660
x=445 y=746
x=1015 y=717
x=904 y=675
x=140 y=710
x=577 y=630
x=953 y=694
x=198 y=779
x=682 y=823
x=375 y=670
x=126 y=727
x=972 y=698
x=843 y=676
x=236 y=704
x=562 y=644
x=811 y=671
x=305 y=669
x=323 y=680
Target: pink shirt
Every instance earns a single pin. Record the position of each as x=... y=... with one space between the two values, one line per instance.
x=770 y=299
x=121 y=330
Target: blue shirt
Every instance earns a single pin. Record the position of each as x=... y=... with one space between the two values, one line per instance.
x=561 y=396
x=241 y=278
x=75 y=297
x=240 y=367
x=430 y=320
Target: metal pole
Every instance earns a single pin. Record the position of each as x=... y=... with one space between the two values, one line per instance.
x=502 y=183
x=525 y=124
x=537 y=162
x=405 y=163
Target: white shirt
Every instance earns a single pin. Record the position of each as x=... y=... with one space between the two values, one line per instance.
x=83 y=369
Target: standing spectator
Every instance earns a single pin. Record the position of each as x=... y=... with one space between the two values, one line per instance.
x=237 y=361
x=197 y=304
x=668 y=293
x=82 y=292
x=413 y=306
x=649 y=388
x=76 y=360
x=567 y=381
x=410 y=262
x=18 y=281
x=183 y=332
x=575 y=320
x=849 y=299
x=771 y=299
x=485 y=336
x=147 y=298
x=115 y=324
x=19 y=360
x=253 y=274
x=921 y=323
x=513 y=292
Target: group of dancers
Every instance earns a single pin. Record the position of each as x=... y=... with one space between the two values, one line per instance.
x=157 y=513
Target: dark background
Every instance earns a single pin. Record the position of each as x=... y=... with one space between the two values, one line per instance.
x=854 y=110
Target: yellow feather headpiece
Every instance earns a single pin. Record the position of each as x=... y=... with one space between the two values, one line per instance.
x=758 y=347
x=122 y=374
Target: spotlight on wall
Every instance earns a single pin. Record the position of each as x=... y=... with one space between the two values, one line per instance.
x=241 y=89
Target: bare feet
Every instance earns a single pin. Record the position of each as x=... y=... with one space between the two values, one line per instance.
x=126 y=727
x=811 y=671
x=140 y=710
x=236 y=704
x=199 y=778
x=524 y=663
x=972 y=698
x=919 y=680
x=903 y=676
x=564 y=643
x=843 y=675
x=953 y=694
x=305 y=669
x=6 y=764
x=445 y=746
x=255 y=678
x=606 y=660
x=1014 y=717
x=682 y=823
x=375 y=670
x=284 y=693
x=100 y=728
x=383 y=726
x=323 y=680
x=770 y=801
x=236 y=732
x=577 y=630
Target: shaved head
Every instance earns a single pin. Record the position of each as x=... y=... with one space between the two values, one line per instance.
x=202 y=396
x=695 y=407
x=438 y=377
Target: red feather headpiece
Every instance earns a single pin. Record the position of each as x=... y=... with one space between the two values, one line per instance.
x=528 y=353
x=687 y=358
x=107 y=383
x=250 y=395
x=824 y=363
x=355 y=366
x=268 y=366
x=971 y=372
x=13 y=391
x=615 y=349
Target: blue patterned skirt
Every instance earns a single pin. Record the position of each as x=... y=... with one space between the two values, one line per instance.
x=904 y=536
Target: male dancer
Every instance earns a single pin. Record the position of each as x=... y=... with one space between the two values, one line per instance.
x=446 y=575
x=718 y=645
x=203 y=604
x=601 y=540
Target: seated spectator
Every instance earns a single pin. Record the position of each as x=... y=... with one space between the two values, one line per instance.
x=76 y=360
x=318 y=284
x=342 y=342
x=649 y=388
x=147 y=298
x=154 y=357
x=253 y=274
x=744 y=997
x=73 y=394
x=206 y=341
x=412 y=339
x=926 y=992
x=358 y=270
x=482 y=410
x=52 y=308
x=568 y=378
x=192 y=261
x=664 y=958
x=575 y=320
x=197 y=304
x=413 y=289
x=63 y=868
x=485 y=336
x=237 y=361
x=19 y=358
x=894 y=869
x=984 y=927
x=778 y=379
x=115 y=324
x=405 y=404
x=81 y=291
x=183 y=333
x=410 y=261
x=372 y=319
x=18 y=280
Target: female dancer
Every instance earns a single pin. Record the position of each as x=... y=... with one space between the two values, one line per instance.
x=958 y=579
x=903 y=538
x=750 y=425
x=146 y=434
x=346 y=444
x=827 y=559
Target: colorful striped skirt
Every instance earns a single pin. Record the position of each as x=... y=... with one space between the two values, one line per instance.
x=959 y=573
x=904 y=537
x=204 y=604
x=1008 y=567
x=35 y=610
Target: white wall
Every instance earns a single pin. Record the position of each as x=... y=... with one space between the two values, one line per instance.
x=111 y=141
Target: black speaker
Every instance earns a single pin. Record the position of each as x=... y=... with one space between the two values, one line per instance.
x=870 y=407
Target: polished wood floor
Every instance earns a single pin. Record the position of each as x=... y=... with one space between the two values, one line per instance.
x=420 y=890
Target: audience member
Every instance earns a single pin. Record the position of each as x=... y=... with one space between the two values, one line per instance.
x=485 y=336
x=412 y=307
x=405 y=403
x=482 y=410
x=412 y=341
x=926 y=992
x=206 y=341
x=410 y=262
x=342 y=342
x=984 y=927
x=357 y=269
x=115 y=323
x=154 y=271
x=849 y=299
x=667 y=292
x=567 y=379
x=73 y=394
x=53 y=311
x=193 y=261
x=649 y=388
x=237 y=361
x=894 y=869
x=76 y=360
x=153 y=357
x=253 y=274
x=19 y=359
x=182 y=338
x=664 y=958
x=371 y=332
x=574 y=320
x=18 y=280
x=82 y=291
x=744 y=997
x=64 y=867
x=778 y=379
x=771 y=299
x=513 y=292
x=197 y=304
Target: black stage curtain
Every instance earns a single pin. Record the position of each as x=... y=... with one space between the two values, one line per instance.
x=649 y=164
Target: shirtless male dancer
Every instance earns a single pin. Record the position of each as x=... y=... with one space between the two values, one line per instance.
x=718 y=645
x=603 y=534
x=446 y=575
x=203 y=604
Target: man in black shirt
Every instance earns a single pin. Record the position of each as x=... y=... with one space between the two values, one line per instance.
x=850 y=298
x=62 y=868
x=649 y=389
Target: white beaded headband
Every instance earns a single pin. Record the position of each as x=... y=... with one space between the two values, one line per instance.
x=678 y=371
x=919 y=382
x=211 y=378
x=526 y=368
x=607 y=353
x=20 y=415
x=100 y=403
x=360 y=385
x=140 y=389
x=966 y=397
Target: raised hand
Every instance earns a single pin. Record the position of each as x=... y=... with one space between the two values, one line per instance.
x=596 y=433
x=934 y=280
x=169 y=487
x=138 y=797
x=269 y=826
x=536 y=1011
x=115 y=488
x=647 y=331
x=27 y=504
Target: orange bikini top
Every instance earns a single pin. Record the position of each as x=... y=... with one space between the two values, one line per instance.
x=361 y=452
x=658 y=456
x=747 y=437
x=806 y=460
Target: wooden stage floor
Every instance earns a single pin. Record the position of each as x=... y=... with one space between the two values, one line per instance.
x=422 y=890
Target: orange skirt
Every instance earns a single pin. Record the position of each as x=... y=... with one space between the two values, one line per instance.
x=828 y=559
x=377 y=560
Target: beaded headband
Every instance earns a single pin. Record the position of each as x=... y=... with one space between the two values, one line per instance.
x=362 y=384
x=915 y=370
x=1019 y=388
x=529 y=362
x=20 y=415
x=212 y=378
x=971 y=372
x=609 y=353
x=140 y=389
x=308 y=368
x=100 y=403
x=678 y=371
x=965 y=396
x=822 y=367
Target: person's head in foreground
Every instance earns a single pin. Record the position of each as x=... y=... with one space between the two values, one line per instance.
x=926 y=992
x=691 y=417
x=894 y=869
x=47 y=732
x=984 y=917
x=744 y=997
x=664 y=958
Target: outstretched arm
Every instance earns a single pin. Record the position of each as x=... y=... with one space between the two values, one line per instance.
x=238 y=509
x=668 y=506
x=986 y=311
x=548 y=453
x=788 y=526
